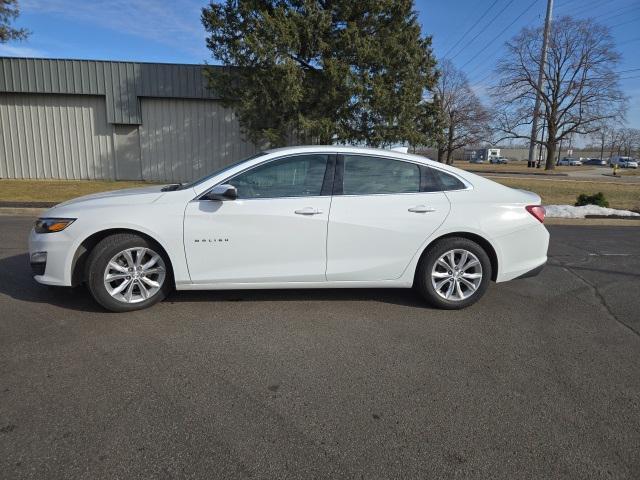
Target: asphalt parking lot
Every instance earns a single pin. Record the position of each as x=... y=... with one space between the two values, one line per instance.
x=540 y=379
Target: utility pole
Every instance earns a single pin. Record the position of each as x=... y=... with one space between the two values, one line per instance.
x=544 y=125
x=536 y=109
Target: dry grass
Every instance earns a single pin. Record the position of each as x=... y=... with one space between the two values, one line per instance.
x=556 y=191
x=56 y=190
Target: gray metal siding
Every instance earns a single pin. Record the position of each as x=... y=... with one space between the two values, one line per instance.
x=61 y=136
x=182 y=140
x=122 y=83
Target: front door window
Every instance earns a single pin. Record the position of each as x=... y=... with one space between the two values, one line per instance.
x=298 y=176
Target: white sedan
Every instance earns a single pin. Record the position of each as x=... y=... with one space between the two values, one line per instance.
x=302 y=217
x=570 y=162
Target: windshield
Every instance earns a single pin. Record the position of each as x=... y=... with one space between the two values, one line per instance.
x=222 y=170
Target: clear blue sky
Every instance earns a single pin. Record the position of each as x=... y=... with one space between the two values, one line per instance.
x=170 y=31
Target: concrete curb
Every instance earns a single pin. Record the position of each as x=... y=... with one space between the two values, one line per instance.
x=585 y=222
x=21 y=211
x=4 y=204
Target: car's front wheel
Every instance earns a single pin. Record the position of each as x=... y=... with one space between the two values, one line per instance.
x=453 y=273
x=127 y=272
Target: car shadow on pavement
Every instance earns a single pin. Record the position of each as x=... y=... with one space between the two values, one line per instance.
x=405 y=297
x=17 y=282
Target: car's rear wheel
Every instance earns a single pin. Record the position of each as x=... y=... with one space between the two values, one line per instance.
x=127 y=272
x=453 y=273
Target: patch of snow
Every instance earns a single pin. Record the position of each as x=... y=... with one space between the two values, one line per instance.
x=569 y=211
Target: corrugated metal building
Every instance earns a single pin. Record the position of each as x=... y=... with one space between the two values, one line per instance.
x=86 y=119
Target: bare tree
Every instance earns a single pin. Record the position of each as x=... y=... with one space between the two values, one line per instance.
x=580 y=89
x=9 y=12
x=463 y=119
x=629 y=141
x=605 y=136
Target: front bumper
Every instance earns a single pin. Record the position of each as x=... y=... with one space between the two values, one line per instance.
x=50 y=256
x=38 y=262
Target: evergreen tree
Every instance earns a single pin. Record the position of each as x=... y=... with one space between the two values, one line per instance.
x=8 y=13
x=322 y=71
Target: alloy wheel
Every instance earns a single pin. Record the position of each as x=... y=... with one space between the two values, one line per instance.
x=134 y=275
x=456 y=275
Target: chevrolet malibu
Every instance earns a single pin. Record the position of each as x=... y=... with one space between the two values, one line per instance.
x=303 y=217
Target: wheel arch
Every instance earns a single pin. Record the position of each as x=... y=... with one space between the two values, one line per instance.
x=78 y=264
x=480 y=240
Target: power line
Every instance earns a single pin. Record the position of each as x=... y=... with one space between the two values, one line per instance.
x=482 y=29
x=482 y=61
x=499 y=34
x=625 y=23
x=470 y=28
x=584 y=7
x=478 y=82
x=627 y=71
x=629 y=41
x=616 y=14
x=492 y=56
x=629 y=78
x=564 y=4
x=536 y=109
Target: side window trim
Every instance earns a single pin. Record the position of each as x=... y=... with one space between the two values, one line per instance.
x=329 y=176
x=338 y=179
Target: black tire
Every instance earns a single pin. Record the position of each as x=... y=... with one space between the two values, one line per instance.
x=97 y=262
x=423 y=274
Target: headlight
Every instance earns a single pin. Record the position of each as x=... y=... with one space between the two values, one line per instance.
x=51 y=225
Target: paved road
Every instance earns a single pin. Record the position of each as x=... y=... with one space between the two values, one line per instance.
x=540 y=379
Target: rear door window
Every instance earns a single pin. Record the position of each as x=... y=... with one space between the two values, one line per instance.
x=365 y=175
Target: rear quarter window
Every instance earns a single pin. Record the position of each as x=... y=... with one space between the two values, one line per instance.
x=447 y=182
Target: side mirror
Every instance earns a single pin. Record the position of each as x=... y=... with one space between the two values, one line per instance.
x=222 y=192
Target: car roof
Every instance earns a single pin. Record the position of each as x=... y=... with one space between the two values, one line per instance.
x=379 y=152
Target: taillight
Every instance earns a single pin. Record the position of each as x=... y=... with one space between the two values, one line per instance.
x=537 y=211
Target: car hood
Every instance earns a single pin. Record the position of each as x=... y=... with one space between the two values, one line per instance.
x=127 y=196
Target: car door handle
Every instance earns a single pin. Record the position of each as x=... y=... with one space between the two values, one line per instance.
x=308 y=211
x=421 y=209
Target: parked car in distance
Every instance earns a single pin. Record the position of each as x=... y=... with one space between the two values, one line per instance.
x=477 y=160
x=623 y=162
x=300 y=217
x=568 y=161
x=595 y=161
x=499 y=160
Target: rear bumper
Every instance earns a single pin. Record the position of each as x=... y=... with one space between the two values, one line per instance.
x=523 y=252
x=532 y=273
